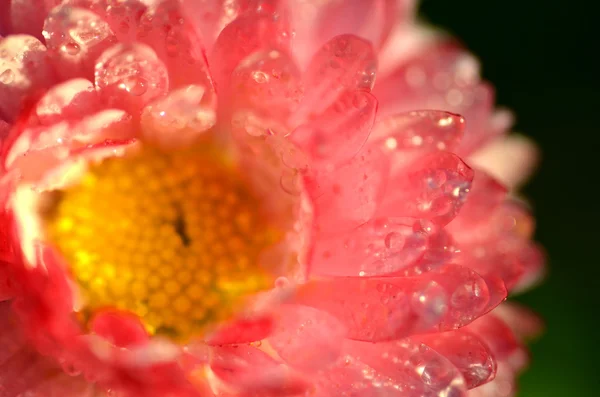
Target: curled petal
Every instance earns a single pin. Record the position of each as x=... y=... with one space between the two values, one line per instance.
x=251 y=32
x=180 y=117
x=211 y=16
x=346 y=62
x=338 y=133
x=392 y=369
x=470 y=355
x=75 y=38
x=166 y=29
x=24 y=70
x=306 y=338
x=434 y=187
x=265 y=86
x=350 y=195
x=67 y=101
x=248 y=369
x=243 y=330
x=119 y=328
x=130 y=76
x=428 y=130
x=386 y=308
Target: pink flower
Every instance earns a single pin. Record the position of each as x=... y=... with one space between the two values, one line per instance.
x=219 y=198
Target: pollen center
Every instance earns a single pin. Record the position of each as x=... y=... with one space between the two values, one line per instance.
x=174 y=237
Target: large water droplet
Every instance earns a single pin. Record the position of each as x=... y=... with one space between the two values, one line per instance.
x=71 y=48
x=260 y=77
x=7 y=77
x=136 y=86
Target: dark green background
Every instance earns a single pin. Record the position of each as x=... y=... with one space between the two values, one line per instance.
x=541 y=55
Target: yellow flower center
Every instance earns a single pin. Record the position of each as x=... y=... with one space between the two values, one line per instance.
x=172 y=236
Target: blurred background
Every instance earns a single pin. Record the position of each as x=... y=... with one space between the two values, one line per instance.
x=540 y=56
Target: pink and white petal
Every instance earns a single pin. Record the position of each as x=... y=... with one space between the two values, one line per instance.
x=167 y=29
x=123 y=16
x=469 y=354
x=129 y=77
x=38 y=149
x=338 y=133
x=389 y=308
x=524 y=323
x=427 y=130
x=249 y=33
x=181 y=117
x=350 y=195
x=241 y=330
x=485 y=196
x=510 y=159
x=434 y=187
x=120 y=328
x=265 y=91
x=317 y=22
x=247 y=369
x=27 y=16
x=380 y=246
x=75 y=38
x=24 y=72
x=345 y=63
x=69 y=100
x=500 y=339
x=306 y=338
x=392 y=369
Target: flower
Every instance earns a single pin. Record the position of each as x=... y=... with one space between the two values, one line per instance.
x=218 y=198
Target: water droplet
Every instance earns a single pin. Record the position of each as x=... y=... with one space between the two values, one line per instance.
x=466 y=295
x=71 y=48
x=7 y=76
x=260 y=77
x=136 y=86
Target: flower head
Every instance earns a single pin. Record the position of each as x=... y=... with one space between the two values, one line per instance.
x=255 y=198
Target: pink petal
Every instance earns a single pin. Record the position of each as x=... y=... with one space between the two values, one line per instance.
x=306 y=338
x=345 y=63
x=392 y=369
x=242 y=330
x=130 y=76
x=265 y=90
x=468 y=354
x=67 y=101
x=119 y=328
x=24 y=71
x=340 y=131
x=165 y=28
x=28 y=15
x=211 y=16
x=385 y=308
x=75 y=38
x=251 y=371
x=251 y=32
x=434 y=187
x=348 y=196
x=180 y=117
x=380 y=246
x=512 y=159
x=428 y=130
